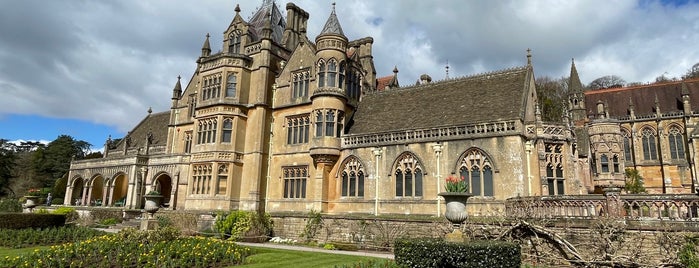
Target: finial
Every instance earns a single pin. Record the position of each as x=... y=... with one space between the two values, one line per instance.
x=179 y=77
x=150 y=110
x=529 y=56
x=447 y=69
x=333 y=7
x=207 y=35
x=237 y=8
x=395 y=69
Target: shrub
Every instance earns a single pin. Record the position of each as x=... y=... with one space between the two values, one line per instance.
x=30 y=220
x=57 y=201
x=186 y=222
x=431 y=252
x=103 y=214
x=49 y=236
x=70 y=213
x=371 y=264
x=10 y=205
x=110 y=221
x=329 y=246
x=313 y=224
x=243 y=226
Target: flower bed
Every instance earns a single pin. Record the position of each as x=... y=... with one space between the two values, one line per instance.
x=120 y=251
x=50 y=236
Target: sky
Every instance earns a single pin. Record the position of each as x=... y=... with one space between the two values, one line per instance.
x=91 y=69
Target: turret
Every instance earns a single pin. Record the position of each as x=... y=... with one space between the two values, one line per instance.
x=330 y=98
x=206 y=48
x=576 y=97
x=176 y=92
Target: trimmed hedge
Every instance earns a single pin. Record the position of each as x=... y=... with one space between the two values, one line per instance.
x=30 y=220
x=433 y=252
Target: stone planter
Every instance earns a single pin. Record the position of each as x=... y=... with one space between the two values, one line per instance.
x=455 y=213
x=456 y=207
x=152 y=203
x=32 y=201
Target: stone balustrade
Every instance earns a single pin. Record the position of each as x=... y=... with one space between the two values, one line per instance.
x=675 y=207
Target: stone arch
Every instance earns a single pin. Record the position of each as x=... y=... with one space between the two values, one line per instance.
x=162 y=182
x=470 y=150
x=96 y=193
x=77 y=185
x=671 y=126
x=119 y=189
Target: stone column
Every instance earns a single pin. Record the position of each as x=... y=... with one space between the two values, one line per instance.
x=613 y=207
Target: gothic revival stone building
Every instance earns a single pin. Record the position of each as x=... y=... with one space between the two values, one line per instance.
x=276 y=121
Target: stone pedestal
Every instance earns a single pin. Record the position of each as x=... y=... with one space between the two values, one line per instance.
x=149 y=224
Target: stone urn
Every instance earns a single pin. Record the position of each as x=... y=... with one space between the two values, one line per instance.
x=32 y=201
x=153 y=202
x=456 y=207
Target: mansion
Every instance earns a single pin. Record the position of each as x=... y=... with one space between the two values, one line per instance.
x=278 y=122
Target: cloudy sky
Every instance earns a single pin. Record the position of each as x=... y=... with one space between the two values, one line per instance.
x=90 y=69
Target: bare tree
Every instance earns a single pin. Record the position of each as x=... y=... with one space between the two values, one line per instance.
x=692 y=72
x=609 y=81
x=552 y=97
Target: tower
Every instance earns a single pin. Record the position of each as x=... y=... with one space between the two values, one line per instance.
x=576 y=97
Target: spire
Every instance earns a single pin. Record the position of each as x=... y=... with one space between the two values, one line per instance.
x=394 y=81
x=177 y=91
x=332 y=26
x=206 y=48
x=574 y=84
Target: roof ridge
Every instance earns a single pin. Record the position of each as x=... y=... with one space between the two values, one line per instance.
x=459 y=78
x=646 y=85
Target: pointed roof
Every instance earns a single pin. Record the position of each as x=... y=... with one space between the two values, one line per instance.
x=268 y=15
x=178 y=85
x=206 y=45
x=575 y=86
x=332 y=26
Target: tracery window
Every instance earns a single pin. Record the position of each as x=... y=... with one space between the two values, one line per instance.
x=300 y=84
x=409 y=175
x=206 y=131
x=352 y=178
x=329 y=123
x=627 y=145
x=477 y=170
x=329 y=75
x=231 y=84
x=227 y=130
x=234 y=42
x=615 y=163
x=553 y=154
x=321 y=74
x=212 y=87
x=650 y=151
x=676 y=140
x=297 y=128
x=295 y=181
x=222 y=179
x=201 y=179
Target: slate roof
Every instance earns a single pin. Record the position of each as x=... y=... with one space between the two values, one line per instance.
x=332 y=25
x=268 y=12
x=156 y=123
x=480 y=98
x=669 y=96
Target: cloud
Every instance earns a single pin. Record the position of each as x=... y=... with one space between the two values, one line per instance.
x=108 y=61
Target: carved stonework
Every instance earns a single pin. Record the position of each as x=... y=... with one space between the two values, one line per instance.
x=324 y=159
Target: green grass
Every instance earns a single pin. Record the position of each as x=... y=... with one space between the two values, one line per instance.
x=263 y=257
x=18 y=251
x=267 y=257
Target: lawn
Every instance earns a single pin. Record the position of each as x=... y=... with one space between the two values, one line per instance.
x=263 y=257
x=267 y=257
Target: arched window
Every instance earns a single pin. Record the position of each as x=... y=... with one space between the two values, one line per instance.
x=234 y=39
x=676 y=143
x=332 y=74
x=329 y=123
x=627 y=145
x=408 y=173
x=477 y=170
x=319 y=123
x=352 y=178
x=341 y=76
x=227 y=132
x=321 y=74
x=650 y=151
x=230 y=85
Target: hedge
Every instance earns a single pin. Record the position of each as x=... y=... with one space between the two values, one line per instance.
x=432 y=252
x=30 y=220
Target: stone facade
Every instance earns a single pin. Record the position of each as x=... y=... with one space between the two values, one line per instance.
x=278 y=122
